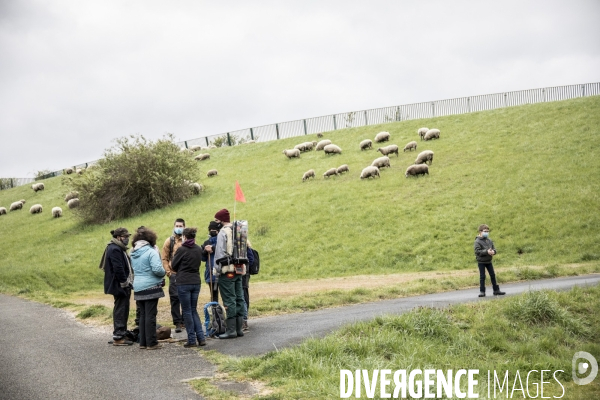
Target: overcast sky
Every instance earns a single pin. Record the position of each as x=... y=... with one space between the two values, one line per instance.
x=74 y=75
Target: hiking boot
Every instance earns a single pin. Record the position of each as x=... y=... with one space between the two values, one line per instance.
x=122 y=342
x=498 y=293
x=239 y=322
x=179 y=327
x=481 y=294
x=230 y=333
x=156 y=347
x=245 y=326
x=202 y=343
x=143 y=347
x=190 y=345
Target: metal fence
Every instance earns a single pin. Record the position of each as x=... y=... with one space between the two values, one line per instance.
x=8 y=183
x=353 y=119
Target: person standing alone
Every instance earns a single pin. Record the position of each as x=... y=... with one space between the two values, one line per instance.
x=168 y=250
x=484 y=251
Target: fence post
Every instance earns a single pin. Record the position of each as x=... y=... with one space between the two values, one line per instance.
x=544 y=95
x=206 y=138
x=504 y=99
x=334 y=123
x=251 y=133
x=582 y=90
x=366 y=121
x=398 y=116
x=277 y=130
x=433 y=109
x=228 y=139
x=304 y=123
x=12 y=183
x=468 y=104
x=185 y=143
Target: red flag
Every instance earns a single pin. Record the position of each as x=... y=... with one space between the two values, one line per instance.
x=239 y=195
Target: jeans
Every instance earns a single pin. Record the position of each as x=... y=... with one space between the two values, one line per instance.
x=232 y=295
x=148 y=310
x=245 y=288
x=174 y=299
x=490 y=269
x=120 y=315
x=188 y=295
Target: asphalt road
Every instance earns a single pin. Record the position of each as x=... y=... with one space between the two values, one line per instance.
x=46 y=354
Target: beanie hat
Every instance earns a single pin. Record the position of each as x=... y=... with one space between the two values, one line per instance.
x=214 y=226
x=223 y=215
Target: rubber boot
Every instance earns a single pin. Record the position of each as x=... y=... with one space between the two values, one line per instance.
x=497 y=291
x=239 y=322
x=230 y=333
x=481 y=294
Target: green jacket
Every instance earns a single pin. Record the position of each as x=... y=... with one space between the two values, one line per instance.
x=482 y=245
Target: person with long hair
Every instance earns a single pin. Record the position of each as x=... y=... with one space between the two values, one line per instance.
x=147 y=284
x=186 y=264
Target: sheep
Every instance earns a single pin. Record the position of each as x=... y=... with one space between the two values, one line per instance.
x=71 y=195
x=314 y=143
x=424 y=156
x=37 y=187
x=196 y=187
x=381 y=162
x=56 y=212
x=203 y=148
x=410 y=146
x=321 y=145
x=343 y=168
x=329 y=172
x=292 y=153
x=370 y=171
x=300 y=147
x=17 y=205
x=308 y=174
x=332 y=149
x=382 y=137
x=184 y=150
x=212 y=172
x=35 y=209
x=391 y=149
x=212 y=146
x=68 y=171
x=421 y=132
x=309 y=146
x=80 y=171
x=366 y=144
x=432 y=134
x=195 y=147
x=2 y=210
x=319 y=135
x=202 y=157
x=73 y=203
x=22 y=201
x=416 y=170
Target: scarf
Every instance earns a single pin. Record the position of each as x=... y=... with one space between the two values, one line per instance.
x=189 y=243
x=124 y=248
x=139 y=244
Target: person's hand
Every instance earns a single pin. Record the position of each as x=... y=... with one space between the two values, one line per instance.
x=491 y=252
x=208 y=248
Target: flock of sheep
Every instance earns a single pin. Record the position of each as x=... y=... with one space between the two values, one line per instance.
x=419 y=167
x=203 y=156
x=72 y=200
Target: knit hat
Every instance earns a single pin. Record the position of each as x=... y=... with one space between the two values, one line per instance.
x=223 y=215
x=120 y=232
x=214 y=226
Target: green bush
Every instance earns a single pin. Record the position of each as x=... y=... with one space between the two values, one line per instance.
x=135 y=176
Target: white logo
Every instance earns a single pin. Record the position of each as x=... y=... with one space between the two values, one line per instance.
x=583 y=367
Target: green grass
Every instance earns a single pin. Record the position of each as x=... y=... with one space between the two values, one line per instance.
x=537 y=330
x=530 y=172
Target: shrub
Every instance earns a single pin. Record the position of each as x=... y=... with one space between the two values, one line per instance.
x=135 y=176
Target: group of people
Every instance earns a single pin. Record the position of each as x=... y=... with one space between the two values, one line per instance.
x=143 y=271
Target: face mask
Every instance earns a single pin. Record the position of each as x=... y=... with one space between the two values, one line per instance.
x=213 y=233
x=178 y=231
x=485 y=234
x=125 y=241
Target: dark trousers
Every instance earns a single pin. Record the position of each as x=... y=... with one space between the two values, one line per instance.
x=245 y=287
x=137 y=313
x=232 y=295
x=120 y=315
x=490 y=269
x=148 y=310
x=188 y=295
x=174 y=299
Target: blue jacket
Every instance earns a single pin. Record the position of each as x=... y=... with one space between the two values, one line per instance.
x=213 y=242
x=147 y=268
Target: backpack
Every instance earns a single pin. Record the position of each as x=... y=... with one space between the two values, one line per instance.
x=214 y=317
x=255 y=266
x=237 y=251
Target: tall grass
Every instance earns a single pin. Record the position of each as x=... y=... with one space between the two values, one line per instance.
x=530 y=172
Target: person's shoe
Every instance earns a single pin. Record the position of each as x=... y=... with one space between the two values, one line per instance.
x=245 y=326
x=481 y=294
x=143 y=347
x=156 y=347
x=190 y=345
x=122 y=342
x=177 y=328
x=239 y=321
x=202 y=343
x=498 y=293
x=230 y=333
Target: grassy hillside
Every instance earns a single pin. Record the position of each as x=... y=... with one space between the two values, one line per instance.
x=530 y=172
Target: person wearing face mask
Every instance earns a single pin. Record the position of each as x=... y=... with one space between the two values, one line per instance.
x=118 y=280
x=208 y=256
x=168 y=251
x=484 y=251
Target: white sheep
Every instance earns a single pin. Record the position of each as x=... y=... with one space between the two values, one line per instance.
x=421 y=132
x=37 y=187
x=382 y=137
x=300 y=147
x=196 y=147
x=369 y=172
x=202 y=157
x=391 y=149
x=80 y=171
x=17 y=205
x=416 y=170
x=22 y=201
x=184 y=150
x=308 y=174
x=72 y=195
x=56 y=212
x=212 y=146
x=319 y=135
x=424 y=156
x=309 y=146
x=432 y=134
x=196 y=187
x=410 y=146
x=321 y=145
x=292 y=153
x=35 y=209
x=73 y=203
x=212 y=172
x=343 y=168
x=2 y=210
x=329 y=172
x=68 y=171
x=332 y=149
x=381 y=162
x=366 y=144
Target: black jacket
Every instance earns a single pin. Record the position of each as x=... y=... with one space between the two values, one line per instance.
x=481 y=247
x=116 y=271
x=186 y=263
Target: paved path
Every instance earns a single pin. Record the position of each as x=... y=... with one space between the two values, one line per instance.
x=46 y=354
